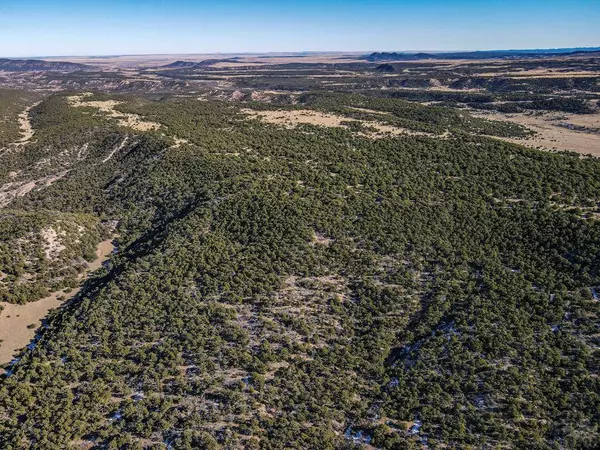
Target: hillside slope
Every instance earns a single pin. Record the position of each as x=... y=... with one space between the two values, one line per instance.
x=311 y=286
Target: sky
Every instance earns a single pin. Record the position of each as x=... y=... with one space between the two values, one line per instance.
x=110 y=27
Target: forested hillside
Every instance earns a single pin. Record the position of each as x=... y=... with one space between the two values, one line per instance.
x=283 y=285
x=38 y=65
x=12 y=104
x=43 y=251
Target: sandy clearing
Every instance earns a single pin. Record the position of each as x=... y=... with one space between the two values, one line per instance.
x=14 y=319
x=103 y=252
x=321 y=239
x=130 y=120
x=582 y=120
x=550 y=135
x=53 y=246
x=291 y=118
x=10 y=191
x=27 y=130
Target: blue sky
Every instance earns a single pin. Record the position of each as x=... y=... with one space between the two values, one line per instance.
x=95 y=27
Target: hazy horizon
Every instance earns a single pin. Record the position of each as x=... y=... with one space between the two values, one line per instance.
x=307 y=52
x=49 y=28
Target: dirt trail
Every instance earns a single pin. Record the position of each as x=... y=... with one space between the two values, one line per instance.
x=14 y=319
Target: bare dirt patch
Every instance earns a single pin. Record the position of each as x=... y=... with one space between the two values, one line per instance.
x=552 y=134
x=321 y=239
x=367 y=110
x=15 y=189
x=129 y=120
x=179 y=142
x=292 y=118
x=591 y=121
x=27 y=130
x=103 y=252
x=14 y=319
x=53 y=245
x=10 y=191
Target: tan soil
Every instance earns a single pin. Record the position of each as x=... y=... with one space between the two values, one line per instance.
x=27 y=130
x=103 y=252
x=12 y=190
x=292 y=118
x=133 y=121
x=15 y=318
x=370 y=111
x=179 y=142
x=582 y=120
x=321 y=239
x=53 y=246
x=550 y=135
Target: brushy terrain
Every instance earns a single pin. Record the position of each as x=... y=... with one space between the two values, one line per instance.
x=304 y=286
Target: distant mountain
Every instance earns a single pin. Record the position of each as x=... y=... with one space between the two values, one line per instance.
x=38 y=65
x=487 y=54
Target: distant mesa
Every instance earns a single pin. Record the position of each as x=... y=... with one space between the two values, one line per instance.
x=38 y=65
x=180 y=65
x=394 y=56
x=487 y=54
x=196 y=65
